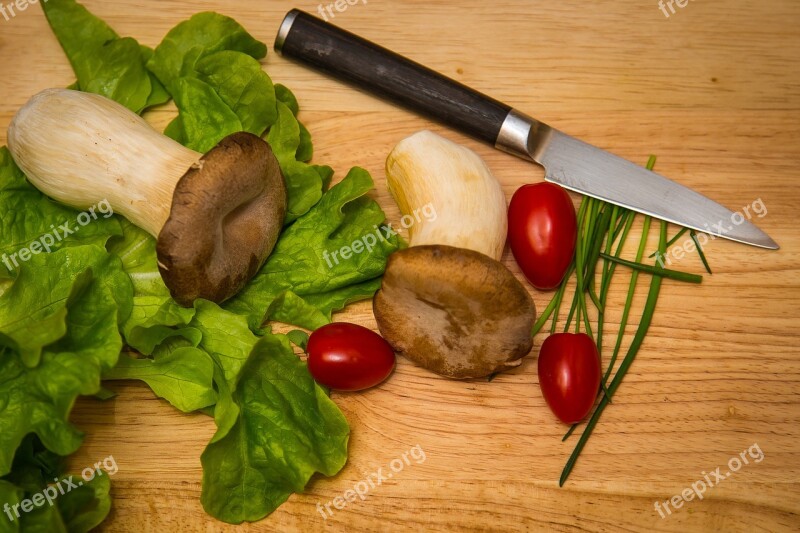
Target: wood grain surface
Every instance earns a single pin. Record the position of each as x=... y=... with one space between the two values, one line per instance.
x=713 y=90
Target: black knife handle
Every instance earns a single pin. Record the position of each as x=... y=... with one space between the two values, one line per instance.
x=375 y=69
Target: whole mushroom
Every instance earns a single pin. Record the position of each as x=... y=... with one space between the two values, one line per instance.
x=446 y=302
x=216 y=216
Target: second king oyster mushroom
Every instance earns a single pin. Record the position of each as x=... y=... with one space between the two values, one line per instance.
x=446 y=302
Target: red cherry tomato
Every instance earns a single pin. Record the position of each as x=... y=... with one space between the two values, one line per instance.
x=349 y=357
x=542 y=229
x=569 y=375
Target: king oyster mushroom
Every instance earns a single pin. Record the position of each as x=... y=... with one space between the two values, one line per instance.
x=216 y=216
x=446 y=302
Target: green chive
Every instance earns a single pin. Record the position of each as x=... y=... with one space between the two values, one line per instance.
x=700 y=251
x=569 y=432
x=543 y=317
x=656 y=271
x=629 y=299
x=585 y=203
x=560 y=295
x=672 y=240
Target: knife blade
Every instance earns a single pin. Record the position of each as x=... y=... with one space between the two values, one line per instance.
x=568 y=161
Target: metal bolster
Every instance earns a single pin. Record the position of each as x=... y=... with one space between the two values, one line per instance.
x=520 y=135
x=283 y=31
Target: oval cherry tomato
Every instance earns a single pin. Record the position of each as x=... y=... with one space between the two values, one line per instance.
x=349 y=357
x=542 y=229
x=569 y=375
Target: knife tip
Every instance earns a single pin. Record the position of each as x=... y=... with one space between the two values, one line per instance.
x=761 y=240
x=772 y=245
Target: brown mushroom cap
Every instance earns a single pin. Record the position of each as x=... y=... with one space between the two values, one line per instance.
x=454 y=311
x=227 y=213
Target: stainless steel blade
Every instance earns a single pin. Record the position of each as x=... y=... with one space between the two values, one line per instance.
x=586 y=169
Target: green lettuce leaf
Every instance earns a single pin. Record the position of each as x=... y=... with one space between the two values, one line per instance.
x=204 y=118
x=326 y=175
x=287 y=97
x=228 y=93
x=305 y=148
x=158 y=94
x=304 y=188
x=182 y=377
x=38 y=400
x=34 y=465
x=304 y=183
x=12 y=495
x=154 y=319
x=226 y=337
x=175 y=130
x=196 y=38
x=284 y=136
x=103 y=62
x=79 y=509
x=299 y=338
x=243 y=86
x=287 y=430
x=33 y=312
x=226 y=411
x=292 y=309
x=179 y=371
x=337 y=299
x=44 y=300
x=137 y=250
x=85 y=508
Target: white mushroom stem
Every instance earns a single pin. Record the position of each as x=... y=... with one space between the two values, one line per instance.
x=470 y=206
x=81 y=148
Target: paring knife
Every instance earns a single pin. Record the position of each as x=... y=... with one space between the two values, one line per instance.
x=571 y=163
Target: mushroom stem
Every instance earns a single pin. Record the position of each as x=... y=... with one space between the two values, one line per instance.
x=426 y=168
x=63 y=140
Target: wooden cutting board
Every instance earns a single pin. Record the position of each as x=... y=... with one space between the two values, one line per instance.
x=713 y=90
